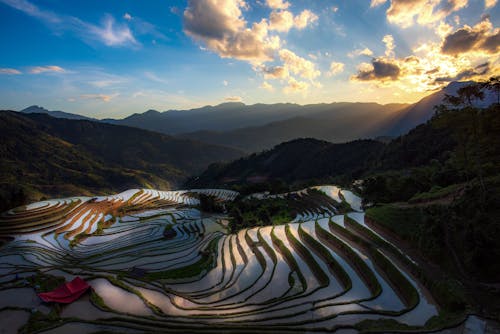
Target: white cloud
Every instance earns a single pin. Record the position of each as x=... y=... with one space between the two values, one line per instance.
x=298 y=65
x=233 y=99
x=9 y=71
x=219 y=25
x=225 y=83
x=389 y=45
x=376 y=3
x=109 y=33
x=305 y=18
x=127 y=16
x=154 y=77
x=99 y=97
x=405 y=13
x=44 y=69
x=284 y=20
x=335 y=68
x=113 y=34
x=490 y=3
x=360 y=52
x=277 y=4
x=295 y=86
x=267 y=86
x=281 y=21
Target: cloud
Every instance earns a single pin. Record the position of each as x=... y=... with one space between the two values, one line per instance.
x=284 y=20
x=108 y=33
x=267 y=86
x=376 y=3
x=467 y=73
x=481 y=37
x=295 y=86
x=378 y=70
x=389 y=45
x=233 y=99
x=32 y=10
x=281 y=21
x=335 y=68
x=405 y=13
x=219 y=24
x=44 y=69
x=490 y=3
x=99 y=97
x=305 y=18
x=112 y=34
x=275 y=72
x=127 y=16
x=298 y=65
x=9 y=71
x=277 y=4
x=225 y=83
x=360 y=52
x=154 y=77
x=473 y=55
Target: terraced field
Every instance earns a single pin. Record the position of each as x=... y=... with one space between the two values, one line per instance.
x=156 y=263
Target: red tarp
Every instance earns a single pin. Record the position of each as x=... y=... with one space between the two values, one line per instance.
x=66 y=293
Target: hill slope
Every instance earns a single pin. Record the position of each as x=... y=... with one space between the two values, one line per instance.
x=41 y=155
x=300 y=159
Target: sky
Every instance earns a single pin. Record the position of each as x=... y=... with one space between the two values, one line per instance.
x=112 y=58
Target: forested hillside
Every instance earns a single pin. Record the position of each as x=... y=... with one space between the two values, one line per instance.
x=42 y=156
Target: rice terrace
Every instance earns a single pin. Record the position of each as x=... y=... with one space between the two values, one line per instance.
x=250 y=166
x=155 y=261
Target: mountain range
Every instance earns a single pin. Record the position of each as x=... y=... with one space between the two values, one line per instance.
x=253 y=128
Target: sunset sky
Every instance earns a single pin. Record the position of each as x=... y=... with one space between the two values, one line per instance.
x=116 y=57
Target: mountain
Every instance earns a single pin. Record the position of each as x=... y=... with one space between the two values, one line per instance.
x=41 y=155
x=341 y=123
x=423 y=110
x=231 y=116
x=55 y=113
x=300 y=159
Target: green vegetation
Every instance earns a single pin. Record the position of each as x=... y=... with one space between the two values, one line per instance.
x=254 y=212
x=44 y=282
x=210 y=203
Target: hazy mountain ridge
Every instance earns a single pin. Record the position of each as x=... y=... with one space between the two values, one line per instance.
x=253 y=128
x=55 y=113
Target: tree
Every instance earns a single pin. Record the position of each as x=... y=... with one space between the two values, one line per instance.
x=493 y=84
x=466 y=95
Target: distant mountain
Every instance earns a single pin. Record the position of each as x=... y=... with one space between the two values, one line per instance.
x=54 y=113
x=300 y=159
x=231 y=116
x=423 y=110
x=45 y=156
x=335 y=123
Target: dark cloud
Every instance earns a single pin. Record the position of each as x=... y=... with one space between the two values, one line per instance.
x=480 y=37
x=460 y=41
x=492 y=43
x=382 y=70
